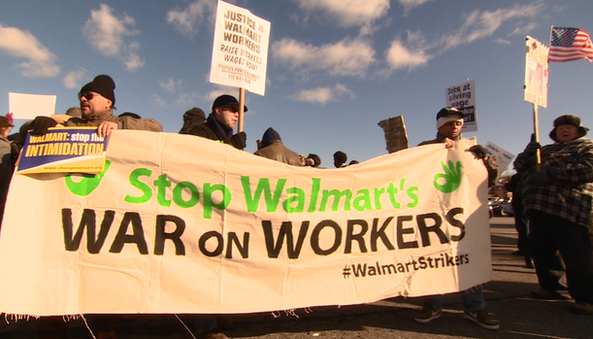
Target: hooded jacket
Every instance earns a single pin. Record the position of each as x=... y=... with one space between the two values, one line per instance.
x=272 y=148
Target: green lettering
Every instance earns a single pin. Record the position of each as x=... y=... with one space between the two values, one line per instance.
x=134 y=181
x=316 y=183
x=337 y=196
x=413 y=196
x=391 y=190
x=363 y=200
x=161 y=184
x=298 y=199
x=263 y=185
x=178 y=195
x=208 y=203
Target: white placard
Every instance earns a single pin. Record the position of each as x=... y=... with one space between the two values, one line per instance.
x=463 y=97
x=501 y=156
x=536 y=72
x=240 y=51
x=28 y=106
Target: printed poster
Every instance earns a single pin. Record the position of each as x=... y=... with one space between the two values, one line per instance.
x=63 y=150
x=240 y=52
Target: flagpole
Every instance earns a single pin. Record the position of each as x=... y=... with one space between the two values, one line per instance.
x=538 y=154
x=241 y=108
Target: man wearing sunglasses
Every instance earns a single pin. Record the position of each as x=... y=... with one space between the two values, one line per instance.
x=221 y=122
x=97 y=100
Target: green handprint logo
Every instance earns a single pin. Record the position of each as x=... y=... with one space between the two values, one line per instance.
x=452 y=177
x=88 y=183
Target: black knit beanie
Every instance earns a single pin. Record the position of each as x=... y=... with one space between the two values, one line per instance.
x=102 y=84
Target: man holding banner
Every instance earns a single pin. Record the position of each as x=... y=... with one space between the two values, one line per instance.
x=449 y=123
x=221 y=122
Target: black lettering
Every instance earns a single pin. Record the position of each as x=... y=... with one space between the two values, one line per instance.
x=137 y=236
x=205 y=237
x=436 y=228
x=175 y=236
x=315 y=237
x=380 y=233
x=358 y=237
x=243 y=249
x=456 y=223
x=401 y=244
x=274 y=247
x=88 y=221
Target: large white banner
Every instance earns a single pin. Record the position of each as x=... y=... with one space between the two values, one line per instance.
x=182 y=224
x=240 y=52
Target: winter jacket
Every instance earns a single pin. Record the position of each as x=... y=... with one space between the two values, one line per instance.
x=569 y=192
x=214 y=131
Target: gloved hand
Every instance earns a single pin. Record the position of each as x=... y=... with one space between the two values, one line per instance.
x=532 y=147
x=40 y=124
x=478 y=151
x=540 y=177
x=239 y=140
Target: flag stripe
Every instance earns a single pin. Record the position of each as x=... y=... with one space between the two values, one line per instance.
x=569 y=44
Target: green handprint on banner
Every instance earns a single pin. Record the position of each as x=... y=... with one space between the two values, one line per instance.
x=88 y=183
x=452 y=177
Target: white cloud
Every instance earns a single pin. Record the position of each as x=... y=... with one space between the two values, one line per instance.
x=186 y=21
x=169 y=85
x=186 y=100
x=410 y=4
x=347 y=57
x=159 y=101
x=482 y=24
x=323 y=95
x=398 y=56
x=348 y=13
x=42 y=63
x=525 y=29
x=416 y=51
x=71 y=80
x=107 y=34
x=503 y=41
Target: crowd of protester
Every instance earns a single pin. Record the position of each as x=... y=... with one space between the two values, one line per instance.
x=553 y=197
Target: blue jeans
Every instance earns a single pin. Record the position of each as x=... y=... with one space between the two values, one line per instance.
x=473 y=300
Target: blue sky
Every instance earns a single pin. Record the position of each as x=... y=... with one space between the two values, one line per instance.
x=335 y=67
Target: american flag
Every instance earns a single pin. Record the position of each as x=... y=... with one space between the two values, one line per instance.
x=569 y=44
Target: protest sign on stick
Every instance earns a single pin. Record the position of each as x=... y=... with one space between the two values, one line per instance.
x=463 y=97
x=240 y=51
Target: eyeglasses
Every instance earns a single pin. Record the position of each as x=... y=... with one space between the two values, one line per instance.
x=86 y=95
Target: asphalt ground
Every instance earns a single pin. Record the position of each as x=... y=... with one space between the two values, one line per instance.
x=507 y=295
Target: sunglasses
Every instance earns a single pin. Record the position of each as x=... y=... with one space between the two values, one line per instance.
x=86 y=95
x=232 y=109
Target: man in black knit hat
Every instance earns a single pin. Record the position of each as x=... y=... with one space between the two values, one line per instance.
x=97 y=100
x=220 y=123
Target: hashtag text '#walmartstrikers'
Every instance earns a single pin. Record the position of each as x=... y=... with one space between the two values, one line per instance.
x=423 y=263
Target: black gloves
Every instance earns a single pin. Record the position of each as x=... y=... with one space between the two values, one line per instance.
x=40 y=124
x=478 y=151
x=532 y=147
x=239 y=140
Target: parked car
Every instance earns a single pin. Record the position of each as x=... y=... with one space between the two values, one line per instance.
x=500 y=207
